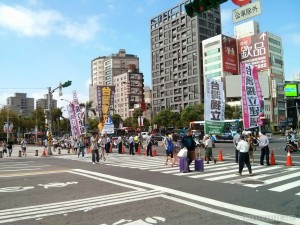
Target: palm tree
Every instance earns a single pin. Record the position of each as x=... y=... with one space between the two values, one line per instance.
x=56 y=115
x=87 y=107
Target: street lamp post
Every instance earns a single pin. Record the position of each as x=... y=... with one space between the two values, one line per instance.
x=7 y=123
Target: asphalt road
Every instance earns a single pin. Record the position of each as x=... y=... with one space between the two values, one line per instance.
x=65 y=189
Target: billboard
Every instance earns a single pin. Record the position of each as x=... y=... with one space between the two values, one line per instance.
x=254 y=50
x=229 y=55
x=291 y=90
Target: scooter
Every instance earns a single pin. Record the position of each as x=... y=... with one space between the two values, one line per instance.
x=292 y=147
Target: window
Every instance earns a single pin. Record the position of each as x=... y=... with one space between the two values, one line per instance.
x=211 y=52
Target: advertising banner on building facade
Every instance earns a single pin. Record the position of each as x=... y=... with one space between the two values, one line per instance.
x=214 y=104
x=251 y=96
x=229 y=55
x=105 y=100
x=254 y=51
x=108 y=127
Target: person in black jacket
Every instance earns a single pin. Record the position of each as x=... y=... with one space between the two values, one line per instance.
x=188 y=142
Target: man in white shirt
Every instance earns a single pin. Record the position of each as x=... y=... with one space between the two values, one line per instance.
x=236 y=140
x=243 y=148
x=264 y=145
x=130 y=142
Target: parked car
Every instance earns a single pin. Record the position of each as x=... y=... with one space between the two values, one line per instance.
x=157 y=137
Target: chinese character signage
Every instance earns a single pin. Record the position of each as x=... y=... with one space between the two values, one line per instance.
x=214 y=115
x=254 y=50
x=251 y=96
x=229 y=55
x=72 y=118
x=246 y=12
x=105 y=99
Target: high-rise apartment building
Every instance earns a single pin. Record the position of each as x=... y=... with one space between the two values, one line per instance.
x=129 y=93
x=20 y=104
x=176 y=54
x=104 y=68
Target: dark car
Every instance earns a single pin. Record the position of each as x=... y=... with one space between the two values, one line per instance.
x=157 y=137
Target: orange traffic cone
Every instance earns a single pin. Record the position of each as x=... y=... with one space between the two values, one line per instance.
x=220 y=156
x=44 y=152
x=272 y=162
x=289 y=159
x=110 y=148
x=139 y=150
x=123 y=149
x=154 y=152
x=146 y=151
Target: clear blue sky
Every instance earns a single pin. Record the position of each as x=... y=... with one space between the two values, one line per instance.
x=43 y=42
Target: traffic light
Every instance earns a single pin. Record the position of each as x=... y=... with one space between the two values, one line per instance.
x=46 y=127
x=198 y=6
x=67 y=84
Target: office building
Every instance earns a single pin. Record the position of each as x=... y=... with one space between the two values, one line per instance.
x=176 y=56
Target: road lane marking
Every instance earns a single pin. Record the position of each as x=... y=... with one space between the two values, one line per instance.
x=227 y=206
x=285 y=187
x=71 y=206
x=33 y=173
x=24 y=167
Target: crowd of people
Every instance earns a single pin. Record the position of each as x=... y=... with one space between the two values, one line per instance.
x=101 y=144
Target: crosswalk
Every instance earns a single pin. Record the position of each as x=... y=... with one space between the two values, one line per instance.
x=277 y=178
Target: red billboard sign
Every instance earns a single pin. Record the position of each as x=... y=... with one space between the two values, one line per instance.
x=229 y=55
x=254 y=50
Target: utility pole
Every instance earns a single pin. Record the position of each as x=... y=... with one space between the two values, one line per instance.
x=49 y=152
x=50 y=92
x=7 y=123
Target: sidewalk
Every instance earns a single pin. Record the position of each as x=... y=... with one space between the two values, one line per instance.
x=31 y=151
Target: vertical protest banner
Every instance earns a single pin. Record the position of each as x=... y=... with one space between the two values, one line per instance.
x=105 y=100
x=78 y=114
x=214 y=103
x=251 y=96
x=72 y=118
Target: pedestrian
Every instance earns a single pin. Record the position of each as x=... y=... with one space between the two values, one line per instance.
x=10 y=146
x=149 y=144
x=75 y=146
x=169 y=147
x=55 y=144
x=24 y=146
x=94 y=146
x=188 y=142
x=130 y=143
x=80 y=145
x=87 y=144
x=107 y=145
x=236 y=140
x=250 y=139
x=102 y=143
x=119 y=143
x=4 y=148
x=243 y=148
x=208 y=149
x=136 y=142
x=264 y=145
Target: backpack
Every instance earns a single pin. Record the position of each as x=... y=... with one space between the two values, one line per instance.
x=169 y=145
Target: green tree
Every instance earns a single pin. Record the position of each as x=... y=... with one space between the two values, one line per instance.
x=87 y=108
x=164 y=118
x=192 y=113
x=56 y=115
x=128 y=122
x=116 y=119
